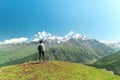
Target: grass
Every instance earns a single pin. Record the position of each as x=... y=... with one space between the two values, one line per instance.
x=73 y=50
x=54 y=70
x=111 y=62
x=10 y=53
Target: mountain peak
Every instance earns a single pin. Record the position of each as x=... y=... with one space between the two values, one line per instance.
x=80 y=36
x=46 y=36
x=59 y=39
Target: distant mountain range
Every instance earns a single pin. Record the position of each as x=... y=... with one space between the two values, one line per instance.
x=76 y=48
x=45 y=36
x=48 y=36
x=113 y=44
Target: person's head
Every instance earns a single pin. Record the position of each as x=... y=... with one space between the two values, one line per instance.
x=41 y=41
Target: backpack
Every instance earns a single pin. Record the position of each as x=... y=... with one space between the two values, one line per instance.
x=40 y=48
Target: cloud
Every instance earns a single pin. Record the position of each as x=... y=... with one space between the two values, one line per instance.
x=36 y=39
x=114 y=44
x=110 y=42
x=36 y=35
x=69 y=34
x=41 y=35
x=45 y=35
x=14 y=41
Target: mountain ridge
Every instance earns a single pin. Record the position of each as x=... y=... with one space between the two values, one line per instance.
x=74 y=50
x=45 y=36
x=111 y=62
x=113 y=44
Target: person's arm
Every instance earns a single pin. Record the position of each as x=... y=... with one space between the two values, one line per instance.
x=43 y=47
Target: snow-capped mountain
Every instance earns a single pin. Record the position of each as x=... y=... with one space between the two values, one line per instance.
x=80 y=36
x=71 y=47
x=55 y=40
x=113 y=44
x=47 y=36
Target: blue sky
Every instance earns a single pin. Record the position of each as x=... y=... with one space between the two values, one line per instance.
x=98 y=19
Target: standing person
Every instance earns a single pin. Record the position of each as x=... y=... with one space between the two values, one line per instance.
x=41 y=50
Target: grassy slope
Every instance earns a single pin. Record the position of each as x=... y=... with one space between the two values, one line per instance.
x=73 y=50
x=54 y=70
x=79 y=51
x=111 y=62
x=11 y=53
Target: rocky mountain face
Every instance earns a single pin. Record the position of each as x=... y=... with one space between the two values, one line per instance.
x=77 y=48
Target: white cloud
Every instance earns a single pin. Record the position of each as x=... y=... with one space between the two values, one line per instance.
x=36 y=35
x=41 y=35
x=110 y=42
x=80 y=36
x=114 y=44
x=14 y=41
x=45 y=35
x=36 y=39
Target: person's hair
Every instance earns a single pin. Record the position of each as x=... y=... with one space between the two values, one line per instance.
x=41 y=41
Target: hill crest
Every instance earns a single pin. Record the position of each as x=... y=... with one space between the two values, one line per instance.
x=54 y=70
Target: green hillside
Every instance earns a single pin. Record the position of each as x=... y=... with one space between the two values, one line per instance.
x=72 y=50
x=111 y=62
x=10 y=53
x=54 y=70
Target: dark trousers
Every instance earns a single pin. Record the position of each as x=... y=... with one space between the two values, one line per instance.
x=41 y=55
